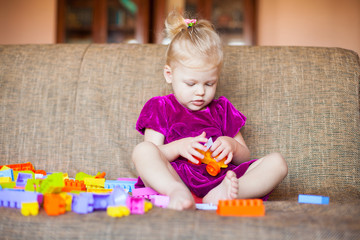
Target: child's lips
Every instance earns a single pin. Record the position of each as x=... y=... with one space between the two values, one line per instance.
x=198 y=102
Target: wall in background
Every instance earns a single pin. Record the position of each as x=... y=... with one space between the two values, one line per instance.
x=328 y=23
x=27 y=21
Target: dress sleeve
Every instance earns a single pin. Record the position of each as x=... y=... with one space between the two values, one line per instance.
x=232 y=119
x=153 y=115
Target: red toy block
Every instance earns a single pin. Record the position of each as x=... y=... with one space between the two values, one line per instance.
x=21 y=167
x=241 y=207
x=54 y=204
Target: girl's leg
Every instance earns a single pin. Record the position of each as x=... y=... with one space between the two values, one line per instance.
x=157 y=173
x=261 y=178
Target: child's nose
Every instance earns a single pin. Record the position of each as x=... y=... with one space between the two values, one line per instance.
x=200 y=90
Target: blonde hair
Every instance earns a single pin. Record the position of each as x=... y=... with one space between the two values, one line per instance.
x=192 y=46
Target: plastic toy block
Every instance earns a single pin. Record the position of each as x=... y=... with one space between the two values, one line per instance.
x=101 y=201
x=144 y=192
x=13 y=199
x=54 y=183
x=5 y=179
x=7 y=173
x=73 y=185
x=118 y=197
x=8 y=185
x=100 y=175
x=22 y=179
x=4 y=167
x=98 y=190
x=241 y=207
x=313 y=199
x=80 y=176
x=160 y=200
x=83 y=203
x=138 y=205
x=33 y=185
x=68 y=200
x=206 y=206
x=29 y=208
x=21 y=167
x=212 y=165
x=128 y=185
x=117 y=211
x=42 y=172
x=54 y=204
x=94 y=182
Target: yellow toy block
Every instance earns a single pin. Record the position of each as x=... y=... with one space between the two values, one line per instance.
x=148 y=206
x=5 y=179
x=4 y=168
x=118 y=211
x=94 y=182
x=29 y=208
x=68 y=200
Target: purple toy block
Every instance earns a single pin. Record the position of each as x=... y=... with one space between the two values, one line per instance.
x=101 y=201
x=22 y=179
x=118 y=197
x=144 y=192
x=83 y=203
x=13 y=199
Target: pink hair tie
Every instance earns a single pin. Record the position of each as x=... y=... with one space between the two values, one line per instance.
x=190 y=22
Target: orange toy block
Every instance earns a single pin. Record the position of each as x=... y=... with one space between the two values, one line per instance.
x=241 y=207
x=73 y=185
x=213 y=166
x=54 y=204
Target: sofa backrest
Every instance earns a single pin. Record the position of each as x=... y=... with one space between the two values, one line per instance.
x=73 y=108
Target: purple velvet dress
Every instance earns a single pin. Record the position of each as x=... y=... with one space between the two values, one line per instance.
x=167 y=116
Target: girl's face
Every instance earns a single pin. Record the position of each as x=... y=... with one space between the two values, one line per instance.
x=194 y=88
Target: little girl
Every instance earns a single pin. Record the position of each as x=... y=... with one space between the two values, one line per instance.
x=176 y=126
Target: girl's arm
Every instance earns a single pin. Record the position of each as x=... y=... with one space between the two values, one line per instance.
x=234 y=149
x=185 y=147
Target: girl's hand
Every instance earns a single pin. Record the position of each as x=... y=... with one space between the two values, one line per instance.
x=189 y=146
x=224 y=147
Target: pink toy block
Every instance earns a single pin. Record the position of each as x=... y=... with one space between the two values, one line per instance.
x=160 y=200
x=144 y=192
x=136 y=205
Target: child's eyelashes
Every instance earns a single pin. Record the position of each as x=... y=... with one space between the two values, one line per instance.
x=190 y=84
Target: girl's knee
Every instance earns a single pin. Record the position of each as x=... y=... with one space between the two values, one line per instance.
x=143 y=149
x=279 y=161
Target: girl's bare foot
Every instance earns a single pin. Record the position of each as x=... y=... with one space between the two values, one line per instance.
x=227 y=189
x=181 y=200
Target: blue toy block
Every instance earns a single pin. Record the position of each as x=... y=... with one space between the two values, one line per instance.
x=22 y=179
x=313 y=199
x=7 y=173
x=206 y=206
x=13 y=199
x=127 y=184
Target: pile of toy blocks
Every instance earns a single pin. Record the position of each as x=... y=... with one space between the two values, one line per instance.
x=23 y=187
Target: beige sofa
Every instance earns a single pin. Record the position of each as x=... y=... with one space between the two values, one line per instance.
x=73 y=108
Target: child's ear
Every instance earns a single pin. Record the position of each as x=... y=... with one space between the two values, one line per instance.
x=168 y=73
